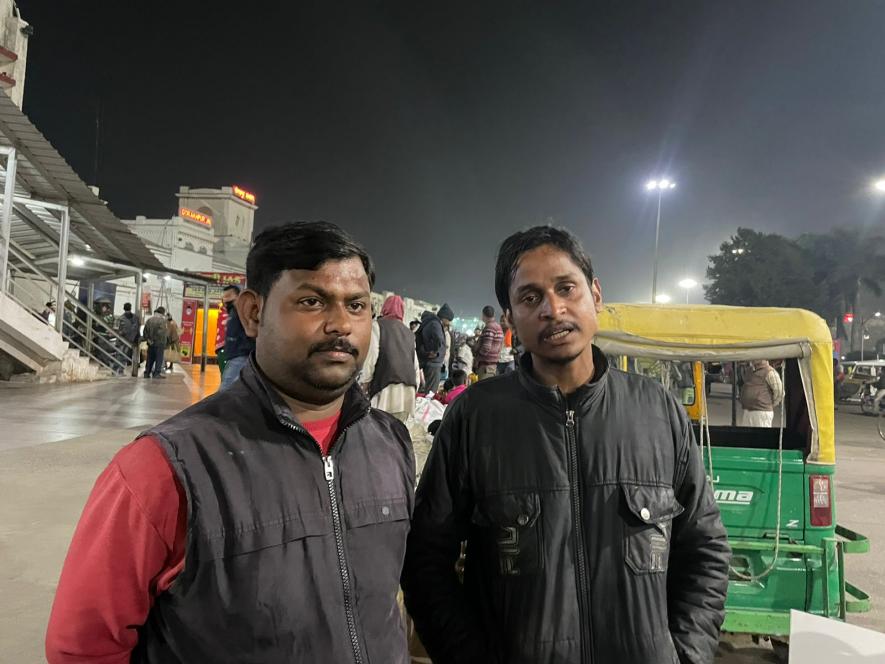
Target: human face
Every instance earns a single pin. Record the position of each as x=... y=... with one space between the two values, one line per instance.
x=312 y=330
x=229 y=296
x=553 y=308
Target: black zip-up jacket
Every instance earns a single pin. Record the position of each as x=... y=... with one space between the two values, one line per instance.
x=592 y=533
x=290 y=556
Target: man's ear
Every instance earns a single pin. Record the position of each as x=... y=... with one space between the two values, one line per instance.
x=249 y=305
x=508 y=318
x=596 y=289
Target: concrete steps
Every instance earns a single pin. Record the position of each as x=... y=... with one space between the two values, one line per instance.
x=33 y=352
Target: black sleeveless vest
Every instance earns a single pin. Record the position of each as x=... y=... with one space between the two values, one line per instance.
x=396 y=356
x=290 y=557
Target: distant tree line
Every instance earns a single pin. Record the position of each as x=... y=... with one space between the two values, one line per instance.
x=820 y=272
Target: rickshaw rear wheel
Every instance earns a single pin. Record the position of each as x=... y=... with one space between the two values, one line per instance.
x=781 y=650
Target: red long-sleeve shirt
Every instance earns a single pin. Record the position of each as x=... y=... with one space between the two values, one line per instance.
x=127 y=549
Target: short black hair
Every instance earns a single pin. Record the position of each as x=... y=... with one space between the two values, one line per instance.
x=127 y=307
x=516 y=245
x=448 y=384
x=459 y=377
x=488 y=311
x=232 y=287
x=300 y=246
x=160 y=310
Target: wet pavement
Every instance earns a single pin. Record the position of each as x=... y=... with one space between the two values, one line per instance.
x=56 y=439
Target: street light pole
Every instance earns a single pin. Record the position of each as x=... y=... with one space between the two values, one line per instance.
x=660 y=186
x=654 y=275
x=687 y=284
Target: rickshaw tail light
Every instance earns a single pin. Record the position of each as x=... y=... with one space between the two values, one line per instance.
x=821 y=504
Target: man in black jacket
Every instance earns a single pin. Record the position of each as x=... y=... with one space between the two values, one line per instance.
x=592 y=535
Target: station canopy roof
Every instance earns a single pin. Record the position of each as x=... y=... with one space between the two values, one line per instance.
x=106 y=245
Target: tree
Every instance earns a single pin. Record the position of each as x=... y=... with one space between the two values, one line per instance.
x=845 y=259
x=761 y=270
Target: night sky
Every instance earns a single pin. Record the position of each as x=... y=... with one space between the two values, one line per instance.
x=433 y=130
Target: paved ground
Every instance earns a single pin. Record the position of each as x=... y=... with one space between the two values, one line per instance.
x=54 y=440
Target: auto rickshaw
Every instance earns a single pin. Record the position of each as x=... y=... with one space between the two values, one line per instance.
x=775 y=486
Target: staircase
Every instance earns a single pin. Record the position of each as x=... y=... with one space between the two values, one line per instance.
x=86 y=347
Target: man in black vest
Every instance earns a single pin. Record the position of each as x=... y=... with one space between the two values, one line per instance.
x=268 y=522
x=391 y=374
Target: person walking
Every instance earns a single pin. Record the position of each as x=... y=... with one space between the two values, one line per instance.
x=155 y=335
x=266 y=523
x=762 y=391
x=391 y=374
x=592 y=533
x=488 y=348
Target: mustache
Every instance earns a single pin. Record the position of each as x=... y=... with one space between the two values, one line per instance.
x=340 y=345
x=557 y=327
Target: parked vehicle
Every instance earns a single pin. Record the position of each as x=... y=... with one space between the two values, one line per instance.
x=775 y=485
x=857 y=374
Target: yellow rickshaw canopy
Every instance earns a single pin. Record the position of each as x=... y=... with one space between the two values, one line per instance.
x=714 y=333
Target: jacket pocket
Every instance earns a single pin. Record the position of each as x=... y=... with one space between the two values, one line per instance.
x=376 y=510
x=513 y=521
x=648 y=526
x=235 y=541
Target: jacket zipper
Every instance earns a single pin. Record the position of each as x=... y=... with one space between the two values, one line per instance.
x=329 y=471
x=580 y=552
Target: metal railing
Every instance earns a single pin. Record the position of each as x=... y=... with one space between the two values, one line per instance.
x=81 y=328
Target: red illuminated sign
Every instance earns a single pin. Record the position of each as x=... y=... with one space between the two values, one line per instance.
x=193 y=215
x=848 y=318
x=243 y=194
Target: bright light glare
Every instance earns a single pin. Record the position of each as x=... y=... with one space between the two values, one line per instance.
x=663 y=183
x=76 y=261
x=879 y=185
x=687 y=283
x=167 y=278
x=878 y=314
x=663 y=298
x=148 y=275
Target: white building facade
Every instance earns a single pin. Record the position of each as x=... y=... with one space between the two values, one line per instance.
x=14 y=35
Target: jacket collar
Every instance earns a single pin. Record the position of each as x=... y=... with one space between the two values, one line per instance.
x=355 y=406
x=581 y=399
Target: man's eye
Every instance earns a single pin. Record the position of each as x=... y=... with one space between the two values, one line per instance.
x=530 y=299
x=357 y=306
x=567 y=288
x=311 y=302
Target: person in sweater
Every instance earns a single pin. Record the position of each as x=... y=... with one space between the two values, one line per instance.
x=391 y=374
x=488 y=348
x=761 y=392
x=266 y=523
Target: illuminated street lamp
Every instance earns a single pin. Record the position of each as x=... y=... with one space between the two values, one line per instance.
x=663 y=298
x=661 y=185
x=687 y=284
x=879 y=186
